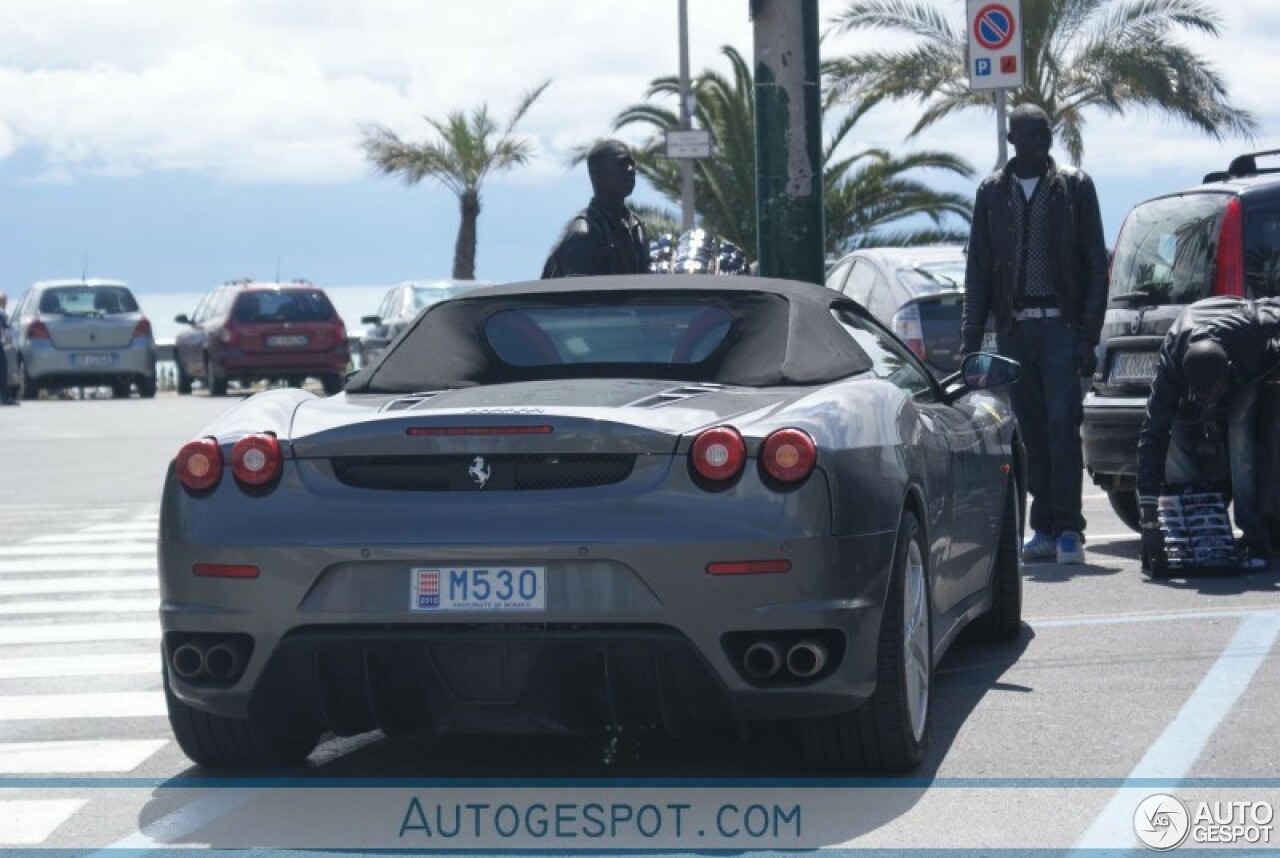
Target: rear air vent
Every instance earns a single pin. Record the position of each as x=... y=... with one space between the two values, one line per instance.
x=413 y=400
x=675 y=394
x=488 y=473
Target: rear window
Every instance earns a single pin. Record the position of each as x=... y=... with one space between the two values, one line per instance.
x=425 y=296
x=679 y=334
x=1165 y=250
x=282 y=305
x=88 y=301
x=1262 y=253
x=931 y=277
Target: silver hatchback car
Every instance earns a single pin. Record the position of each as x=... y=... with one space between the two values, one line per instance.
x=83 y=332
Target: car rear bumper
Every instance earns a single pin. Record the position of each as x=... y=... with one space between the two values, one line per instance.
x=631 y=633
x=46 y=364
x=1110 y=438
x=234 y=362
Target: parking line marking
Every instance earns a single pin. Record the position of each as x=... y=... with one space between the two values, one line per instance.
x=1176 y=750
x=1119 y=619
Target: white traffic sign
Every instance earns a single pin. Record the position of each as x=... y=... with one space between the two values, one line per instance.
x=995 y=44
x=694 y=143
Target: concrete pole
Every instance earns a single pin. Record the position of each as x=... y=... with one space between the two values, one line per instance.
x=686 y=164
x=788 y=92
x=1002 y=130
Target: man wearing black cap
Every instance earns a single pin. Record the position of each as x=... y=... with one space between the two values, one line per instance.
x=1215 y=354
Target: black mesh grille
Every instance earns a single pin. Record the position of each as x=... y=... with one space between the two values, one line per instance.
x=472 y=473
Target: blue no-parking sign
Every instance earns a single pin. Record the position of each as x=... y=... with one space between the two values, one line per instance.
x=995 y=44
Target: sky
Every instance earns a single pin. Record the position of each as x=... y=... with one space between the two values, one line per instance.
x=177 y=144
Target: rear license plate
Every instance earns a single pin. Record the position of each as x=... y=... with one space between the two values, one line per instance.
x=291 y=340
x=94 y=360
x=989 y=342
x=1134 y=367
x=478 y=588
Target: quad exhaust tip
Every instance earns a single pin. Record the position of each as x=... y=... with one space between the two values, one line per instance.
x=806 y=659
x=219 y=662
x=762 y=660
x=188 y=661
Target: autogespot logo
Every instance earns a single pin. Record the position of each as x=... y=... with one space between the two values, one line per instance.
x=1161 y=822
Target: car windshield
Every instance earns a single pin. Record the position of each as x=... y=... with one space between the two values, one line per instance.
x=1165 y=251
x=88 y=301
x=283 y=305
x=676 y=334
x=425 y=296
x=927 y=277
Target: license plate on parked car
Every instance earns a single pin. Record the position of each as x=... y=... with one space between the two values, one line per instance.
x=1134 y=367
x=478 y=588
x=94 y=360
x=289 y=340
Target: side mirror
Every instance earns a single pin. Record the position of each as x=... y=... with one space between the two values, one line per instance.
x=182 y=319
x=370 y=320
x=983 y=371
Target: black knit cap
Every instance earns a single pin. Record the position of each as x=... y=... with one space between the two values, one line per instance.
x=1207 y=370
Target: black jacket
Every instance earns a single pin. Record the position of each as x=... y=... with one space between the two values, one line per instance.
x=599 y=242
x=1077 y=254
x=1249 y=332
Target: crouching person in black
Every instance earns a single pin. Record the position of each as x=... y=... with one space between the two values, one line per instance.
x=1212 y=359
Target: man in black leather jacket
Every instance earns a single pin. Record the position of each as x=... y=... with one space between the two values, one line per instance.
x=1037 y=263
x=1216 y=352
x=606 y=237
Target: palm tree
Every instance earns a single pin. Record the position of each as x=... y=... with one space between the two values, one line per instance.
x=1109 y=55
x=469 y=149
x=863 y=193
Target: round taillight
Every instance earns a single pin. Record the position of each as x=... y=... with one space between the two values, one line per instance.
x=718 y=454
x=255 y=459
x=199 y=464
x=788 y=455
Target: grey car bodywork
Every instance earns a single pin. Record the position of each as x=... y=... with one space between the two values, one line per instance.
x=97 y=335
x=586 y=474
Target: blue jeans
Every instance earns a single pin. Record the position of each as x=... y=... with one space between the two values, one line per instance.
x=1048 y=402
x=1184 y=465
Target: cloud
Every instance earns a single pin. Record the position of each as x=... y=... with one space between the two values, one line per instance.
x=275 y=90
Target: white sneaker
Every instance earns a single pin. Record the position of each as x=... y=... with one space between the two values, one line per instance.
x=1070 y=548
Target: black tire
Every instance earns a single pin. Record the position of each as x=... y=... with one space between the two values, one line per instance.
x=30 y=390
x=229 y=743
x=333 y=383
x=216 y=383
x=1004 y=621
x=184 y=381
x=1125 y=504
x=890 y=731
x=146 y=386
x=121 y=390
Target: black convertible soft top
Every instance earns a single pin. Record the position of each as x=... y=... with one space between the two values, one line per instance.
x=782 y=332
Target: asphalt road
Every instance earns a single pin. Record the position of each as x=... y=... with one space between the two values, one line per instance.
x=1119 y=688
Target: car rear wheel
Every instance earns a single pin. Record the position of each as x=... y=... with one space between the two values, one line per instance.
x=146 y=386
x=219 y=742
x=1004 y=621
x=889 y=732
x=333 y=383
x=1125 y=504
x=216 y=382
x=30 y=390
x=184 y=380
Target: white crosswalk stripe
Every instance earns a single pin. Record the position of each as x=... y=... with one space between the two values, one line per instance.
x=80 y=633
x=27 y=822
x=104 y=563
x=88 y=549
x=50 y=586
x=81 y=606
x=125 y=704
x=48 y=666
x=76 y=757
